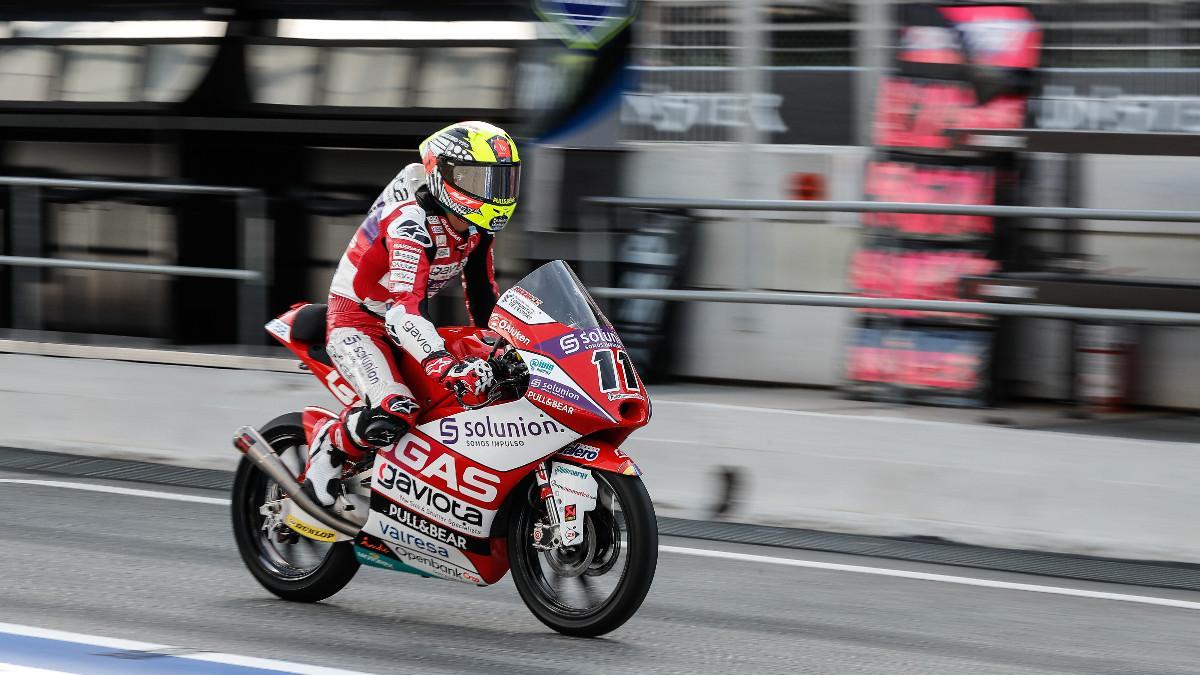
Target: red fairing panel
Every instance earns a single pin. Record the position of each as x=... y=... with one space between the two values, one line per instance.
x=281 y=329
x=428 y=488
x=601 y=455
x=313 y=417
x=593 y=387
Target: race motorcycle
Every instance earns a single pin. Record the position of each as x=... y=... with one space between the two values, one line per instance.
x=531 y=480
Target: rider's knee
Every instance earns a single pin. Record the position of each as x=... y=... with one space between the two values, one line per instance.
x=385 y=423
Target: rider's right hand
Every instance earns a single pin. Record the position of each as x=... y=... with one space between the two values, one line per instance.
x=438 y=363
x=470 y=378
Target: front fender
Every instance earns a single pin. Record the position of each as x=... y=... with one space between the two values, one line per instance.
x=598 y=454
x=589 y=452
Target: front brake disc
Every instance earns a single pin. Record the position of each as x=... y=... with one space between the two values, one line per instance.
x=573 y=561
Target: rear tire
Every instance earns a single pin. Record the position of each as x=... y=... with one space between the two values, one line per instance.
x=636 y=534
x=267 y=559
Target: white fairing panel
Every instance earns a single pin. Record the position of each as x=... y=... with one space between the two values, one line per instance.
x=280 y=329
x=501 y=437
x=575 y=491
x=414 y=492
x=422 y=551
x=523 y=306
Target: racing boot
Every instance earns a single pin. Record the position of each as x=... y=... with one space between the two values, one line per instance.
x=349 y=439
x=326 y=461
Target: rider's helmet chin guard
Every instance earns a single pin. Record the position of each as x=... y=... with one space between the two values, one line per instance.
x=474 y=172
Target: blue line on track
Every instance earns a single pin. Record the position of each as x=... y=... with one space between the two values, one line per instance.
x=74 y=657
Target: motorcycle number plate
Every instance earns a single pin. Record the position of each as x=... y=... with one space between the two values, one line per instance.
x=575 y=491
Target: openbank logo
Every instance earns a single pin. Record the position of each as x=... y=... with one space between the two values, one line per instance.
x=586 y=24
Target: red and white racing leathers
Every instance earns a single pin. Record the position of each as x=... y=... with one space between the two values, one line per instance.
x=404 y=252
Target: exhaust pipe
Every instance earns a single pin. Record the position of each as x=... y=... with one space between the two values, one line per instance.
x=256 y=448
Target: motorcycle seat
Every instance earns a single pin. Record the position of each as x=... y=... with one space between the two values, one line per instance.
x=308 y=327
x=309 y=323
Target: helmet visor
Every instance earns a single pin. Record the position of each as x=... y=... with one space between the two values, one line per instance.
x=493 y=183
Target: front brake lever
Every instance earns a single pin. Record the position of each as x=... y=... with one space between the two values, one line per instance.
x=500 y=344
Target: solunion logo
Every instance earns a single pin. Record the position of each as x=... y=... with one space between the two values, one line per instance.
x=586 y=24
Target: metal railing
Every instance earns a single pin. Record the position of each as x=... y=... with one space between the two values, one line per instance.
x=254 y=252
x=861 y=302
x=899 y=207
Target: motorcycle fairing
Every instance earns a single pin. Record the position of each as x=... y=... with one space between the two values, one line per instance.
x=421 y=552
x=501 y=437
x=564 y=383
x=578 y=367
x=520 y=303
x=435 y=498
x=281 y=329
x=551 y=387
x=431 y=487
x=313 y=417
x=595 y=453
x=415 y=521
x=375 y=552
x=455 y=470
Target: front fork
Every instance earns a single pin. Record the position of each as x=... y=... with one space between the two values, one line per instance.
x=547 y=534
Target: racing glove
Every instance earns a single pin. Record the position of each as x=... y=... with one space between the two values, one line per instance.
x=471 y=377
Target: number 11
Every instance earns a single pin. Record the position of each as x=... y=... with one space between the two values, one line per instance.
x=606 y=370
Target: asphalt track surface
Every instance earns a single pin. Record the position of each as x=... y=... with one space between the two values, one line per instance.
x=146 y=569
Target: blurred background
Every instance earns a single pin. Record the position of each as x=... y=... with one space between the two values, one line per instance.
x=995 y=370
x=307 y=109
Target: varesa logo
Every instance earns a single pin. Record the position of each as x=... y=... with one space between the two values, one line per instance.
x=586 y=24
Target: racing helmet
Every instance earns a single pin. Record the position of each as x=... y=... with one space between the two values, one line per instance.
x=474 y=171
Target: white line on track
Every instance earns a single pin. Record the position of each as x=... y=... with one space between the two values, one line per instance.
x=130 y=645
x=851 y=416
x=727 y=555
x=10 y=669
x=117 y=490
x=925 y=576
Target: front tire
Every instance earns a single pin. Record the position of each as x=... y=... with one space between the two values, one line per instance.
x=620 y=540
x=290 y=566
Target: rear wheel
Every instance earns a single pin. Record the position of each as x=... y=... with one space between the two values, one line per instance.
x=596 y=586
x=292 y=567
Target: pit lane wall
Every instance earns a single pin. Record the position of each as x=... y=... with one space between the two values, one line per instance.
x=850 y=473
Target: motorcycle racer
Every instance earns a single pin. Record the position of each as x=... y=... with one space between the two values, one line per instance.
x=435 y=221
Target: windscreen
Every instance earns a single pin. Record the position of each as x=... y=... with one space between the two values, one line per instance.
x=556 y=291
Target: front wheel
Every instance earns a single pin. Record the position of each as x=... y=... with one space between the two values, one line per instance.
x=596 y=586
x=290 y=566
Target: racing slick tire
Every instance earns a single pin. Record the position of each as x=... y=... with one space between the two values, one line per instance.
x=633 y=531
x=290 y=566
